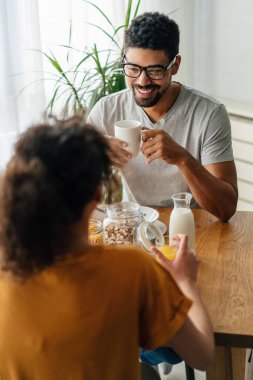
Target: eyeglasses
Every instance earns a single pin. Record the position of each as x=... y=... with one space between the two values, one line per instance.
x=156 y=72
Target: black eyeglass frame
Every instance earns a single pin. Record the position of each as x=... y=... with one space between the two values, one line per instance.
x=145 y=68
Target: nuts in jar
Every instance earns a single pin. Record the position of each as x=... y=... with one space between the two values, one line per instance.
x=121 y=222
x=114 y=234
x=95 y=235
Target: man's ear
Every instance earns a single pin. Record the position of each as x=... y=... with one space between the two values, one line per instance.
x=176 y=65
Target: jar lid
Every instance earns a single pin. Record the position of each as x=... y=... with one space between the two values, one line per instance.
x=123 y=210
x=147 y=235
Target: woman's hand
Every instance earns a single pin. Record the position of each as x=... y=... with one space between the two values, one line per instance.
x=184 y=267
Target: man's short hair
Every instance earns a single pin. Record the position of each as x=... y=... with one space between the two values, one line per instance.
x=154 y=31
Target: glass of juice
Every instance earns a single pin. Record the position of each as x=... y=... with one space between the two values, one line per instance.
x=167 y=250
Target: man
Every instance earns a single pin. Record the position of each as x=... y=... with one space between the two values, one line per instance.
x=74 y=311
x=187 y=136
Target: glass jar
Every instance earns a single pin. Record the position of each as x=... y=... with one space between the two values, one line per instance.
x=124 y=225
x=121 y=221
x=95 y=232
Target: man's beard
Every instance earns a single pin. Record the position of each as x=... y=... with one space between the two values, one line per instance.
x=150 y=102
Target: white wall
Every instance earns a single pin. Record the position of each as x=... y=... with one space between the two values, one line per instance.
x=217 y=58
x=217 y=47
x=242 y=132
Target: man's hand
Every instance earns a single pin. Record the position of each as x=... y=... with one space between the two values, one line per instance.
x=213 y=186
x=118 y=154
x=157 y=144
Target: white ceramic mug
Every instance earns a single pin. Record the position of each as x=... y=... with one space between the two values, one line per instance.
x=130 y=132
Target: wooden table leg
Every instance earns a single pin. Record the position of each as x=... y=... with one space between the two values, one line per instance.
x=229 y=364
x=239 y=359
x=222 y=365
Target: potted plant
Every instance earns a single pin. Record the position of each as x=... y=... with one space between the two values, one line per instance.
x=95 y=74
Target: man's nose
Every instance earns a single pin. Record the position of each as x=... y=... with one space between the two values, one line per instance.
x=143 y=79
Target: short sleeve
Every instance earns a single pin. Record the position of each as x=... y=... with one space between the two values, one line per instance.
x=217 y=144
x=164 y=309
x=95 y=117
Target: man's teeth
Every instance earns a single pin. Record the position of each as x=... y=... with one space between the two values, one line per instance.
x=142 y=91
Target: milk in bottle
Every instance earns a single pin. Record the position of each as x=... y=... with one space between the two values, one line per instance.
x=181 y=218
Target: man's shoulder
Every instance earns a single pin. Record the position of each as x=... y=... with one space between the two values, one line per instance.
x=123 y=94
x=110 y=104
x=193 y=93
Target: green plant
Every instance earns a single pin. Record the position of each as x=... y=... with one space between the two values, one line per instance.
x=96 y=73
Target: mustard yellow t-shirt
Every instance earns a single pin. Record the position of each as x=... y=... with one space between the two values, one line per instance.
x=86 y=317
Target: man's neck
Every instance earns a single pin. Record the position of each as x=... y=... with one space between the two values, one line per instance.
x=167 y=101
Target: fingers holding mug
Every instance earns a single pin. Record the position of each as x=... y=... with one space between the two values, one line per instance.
x=130 y=132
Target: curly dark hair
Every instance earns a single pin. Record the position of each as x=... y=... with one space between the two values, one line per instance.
x=53 y=174
x=155 y=31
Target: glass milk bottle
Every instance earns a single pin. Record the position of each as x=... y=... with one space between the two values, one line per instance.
x=181 y=218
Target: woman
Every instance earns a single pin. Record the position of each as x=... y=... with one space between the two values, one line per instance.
x=69 y=310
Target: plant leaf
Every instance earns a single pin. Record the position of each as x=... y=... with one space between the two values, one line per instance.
x=137 y=9
x=54 y=62
x=174 y=11
x=102 y=13
x=105 y=32
x=128 y=13
x=70 y=36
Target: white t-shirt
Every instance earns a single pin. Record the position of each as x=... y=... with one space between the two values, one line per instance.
x=196 y=121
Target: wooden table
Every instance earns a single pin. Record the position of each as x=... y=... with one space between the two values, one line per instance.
x=225 y=279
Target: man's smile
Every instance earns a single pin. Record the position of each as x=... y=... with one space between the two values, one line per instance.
x=146 y=91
